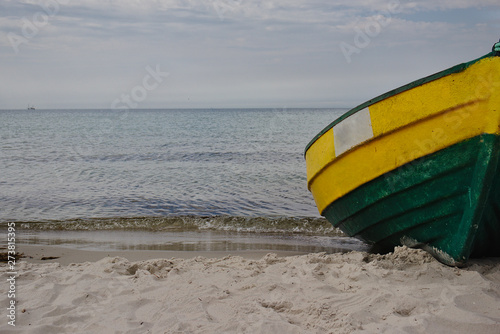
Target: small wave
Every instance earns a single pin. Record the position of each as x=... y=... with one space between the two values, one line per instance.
x=308 y=225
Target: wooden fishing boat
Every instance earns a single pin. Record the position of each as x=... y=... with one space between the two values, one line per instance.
x=418 y=166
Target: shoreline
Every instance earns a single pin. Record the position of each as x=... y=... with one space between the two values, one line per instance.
x=82 y=246
x=66 y=256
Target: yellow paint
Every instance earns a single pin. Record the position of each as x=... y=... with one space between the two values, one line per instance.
x=456 y=89
x=408 y=126
x=320 y=154
x=386 y=153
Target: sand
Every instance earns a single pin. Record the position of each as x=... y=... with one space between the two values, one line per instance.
x=402 y=292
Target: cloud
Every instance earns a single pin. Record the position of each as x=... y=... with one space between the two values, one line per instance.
x=427 y=5
x=226 y=52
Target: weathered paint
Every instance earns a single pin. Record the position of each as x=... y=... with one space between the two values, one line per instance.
x=320 y=155
x=406 y=163
x=352 y=131
x=385 y=153
x=455 y=69
x=447 y=201
x=400 y=136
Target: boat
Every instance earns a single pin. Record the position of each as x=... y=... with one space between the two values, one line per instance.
x=417 y=166
x=31 y=107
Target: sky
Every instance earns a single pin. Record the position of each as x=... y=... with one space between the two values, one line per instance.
x=125 y=54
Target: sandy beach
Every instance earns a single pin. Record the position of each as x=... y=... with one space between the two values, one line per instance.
x=163 y=292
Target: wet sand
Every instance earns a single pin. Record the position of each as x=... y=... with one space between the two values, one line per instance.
x=65 y=255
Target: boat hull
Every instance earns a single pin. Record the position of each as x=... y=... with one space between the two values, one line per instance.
x=447 y=203
x=417 y=166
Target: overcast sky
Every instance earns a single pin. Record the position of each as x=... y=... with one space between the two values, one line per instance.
x=230 y=53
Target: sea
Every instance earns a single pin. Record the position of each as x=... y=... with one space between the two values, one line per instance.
x=192 y=179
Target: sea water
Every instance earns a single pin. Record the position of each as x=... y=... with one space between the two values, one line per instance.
x=218 y=169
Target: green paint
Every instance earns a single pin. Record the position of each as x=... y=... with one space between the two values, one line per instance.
x=447 y=203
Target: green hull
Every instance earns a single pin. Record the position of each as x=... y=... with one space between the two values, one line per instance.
x=447 y=203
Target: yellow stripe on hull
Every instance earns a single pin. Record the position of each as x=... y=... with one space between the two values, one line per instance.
x=408 y=126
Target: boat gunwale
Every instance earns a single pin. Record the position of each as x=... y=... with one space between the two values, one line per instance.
x=452 y=70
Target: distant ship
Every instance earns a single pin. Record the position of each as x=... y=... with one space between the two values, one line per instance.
x=31 y=107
